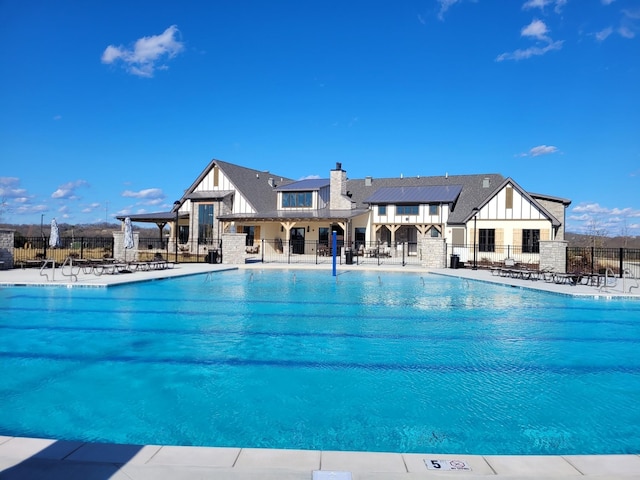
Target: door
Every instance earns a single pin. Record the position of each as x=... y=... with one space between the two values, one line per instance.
x=297 y=240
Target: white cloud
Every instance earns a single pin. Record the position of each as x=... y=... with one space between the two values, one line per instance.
x=541 y=4
x=607 y=2
x=626 y=32
x=542 y=150
x=9 y=188
x=147 y=53
x=603 y=34
x=444 y=6
x=522 y=54
x=614 y=221
x=536 y=29
x=539 y=150
x=146 y=194
x=67 y=190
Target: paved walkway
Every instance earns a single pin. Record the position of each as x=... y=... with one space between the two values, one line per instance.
x=35 y=459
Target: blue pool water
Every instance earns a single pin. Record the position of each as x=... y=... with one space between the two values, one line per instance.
x=294 y=359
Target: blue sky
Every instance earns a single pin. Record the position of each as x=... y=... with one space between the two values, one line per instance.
x=114 y=108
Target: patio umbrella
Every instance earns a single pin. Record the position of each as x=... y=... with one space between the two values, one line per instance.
x=54 y=237
x=128 y=236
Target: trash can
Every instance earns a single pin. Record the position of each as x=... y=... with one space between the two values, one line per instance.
x=212 y=256
x=455 y=261
x=348 y=256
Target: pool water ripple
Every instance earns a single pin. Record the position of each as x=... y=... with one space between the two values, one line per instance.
x=392 y=362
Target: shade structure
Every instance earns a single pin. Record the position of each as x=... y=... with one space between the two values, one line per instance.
x=54 y=236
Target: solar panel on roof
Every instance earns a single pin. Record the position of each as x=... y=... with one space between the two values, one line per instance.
x=307 y=184
x=424 y=194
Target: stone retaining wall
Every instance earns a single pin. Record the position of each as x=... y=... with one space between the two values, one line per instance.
x=6 y=249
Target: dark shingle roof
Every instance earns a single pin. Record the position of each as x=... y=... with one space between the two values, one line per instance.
x=253 y=184
x=307 y=184
x=476 y=189
x=424 y=194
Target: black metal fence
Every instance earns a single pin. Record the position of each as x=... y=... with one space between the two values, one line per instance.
x=469 y=255
x=315 y=252
x=594 y=260
x=30 y=251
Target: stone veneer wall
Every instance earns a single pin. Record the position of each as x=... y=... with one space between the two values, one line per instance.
x=6 y=249
x=434 y=252
x=234 y=247
x=553 y=255
x=119 y=253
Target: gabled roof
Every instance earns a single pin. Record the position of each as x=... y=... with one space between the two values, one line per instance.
x=253 y=184
x=305 y=185
x=509 y=181
x=423 y=194
x=475 y=190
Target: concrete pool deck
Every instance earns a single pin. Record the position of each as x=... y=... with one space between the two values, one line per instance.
x=32 y=458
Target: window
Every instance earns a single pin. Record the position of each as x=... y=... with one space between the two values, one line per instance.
x=251 y=233
x=183 y=233
x=530 y=241
x=205 y=224
x=434 y=232
x=360 y=237
x=382 y=210
x=407 y=209
x=487 y=240
x=433 y=209
x=297 y=200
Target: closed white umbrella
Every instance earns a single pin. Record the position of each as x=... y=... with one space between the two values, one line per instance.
x=54 y=236
x=128 y=236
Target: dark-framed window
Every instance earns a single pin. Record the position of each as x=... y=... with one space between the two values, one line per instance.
x=407 y=209
x=297 y=199
x=530 y=241
x=205 y=224
x=382 y=210
x=487 y=240
x=433 y=209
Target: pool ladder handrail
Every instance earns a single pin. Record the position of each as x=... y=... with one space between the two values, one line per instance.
x=46 y=262
x=628 y=274
x=68 y=262
x=605 y=285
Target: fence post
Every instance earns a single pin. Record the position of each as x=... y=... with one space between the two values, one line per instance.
x=621 y=262
x=403 y=261
x=262 y=250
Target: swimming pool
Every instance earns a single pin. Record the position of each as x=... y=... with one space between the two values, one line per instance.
x=396 y=362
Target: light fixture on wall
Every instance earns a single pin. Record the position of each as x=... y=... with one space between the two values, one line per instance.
x=308 y=228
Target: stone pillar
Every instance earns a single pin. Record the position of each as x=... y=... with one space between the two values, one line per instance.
x=131 y=254
x=6 y=249
x=553 y=255
x=234 y=246
x=434 y=252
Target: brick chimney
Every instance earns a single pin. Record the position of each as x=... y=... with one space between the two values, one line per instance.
x=338 y=186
